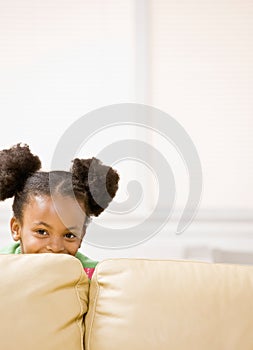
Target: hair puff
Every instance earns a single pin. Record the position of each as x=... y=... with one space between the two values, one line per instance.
x=16 y=165
x=100 y=182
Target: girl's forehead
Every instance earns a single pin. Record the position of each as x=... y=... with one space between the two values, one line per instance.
x=55 y=209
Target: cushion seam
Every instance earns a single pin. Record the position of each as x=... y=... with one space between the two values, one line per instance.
x=82 y=334
x=93 y=311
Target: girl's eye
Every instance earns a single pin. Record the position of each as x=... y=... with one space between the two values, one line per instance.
x=70 y=235
x=41 y=232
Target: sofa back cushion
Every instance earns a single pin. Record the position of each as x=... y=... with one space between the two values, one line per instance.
x=43 y=299
x=167 y=305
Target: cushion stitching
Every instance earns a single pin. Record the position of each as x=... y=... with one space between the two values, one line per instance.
x=81 y=310
x=93 y=311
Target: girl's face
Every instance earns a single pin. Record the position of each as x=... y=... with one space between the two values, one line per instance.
x=45 y=229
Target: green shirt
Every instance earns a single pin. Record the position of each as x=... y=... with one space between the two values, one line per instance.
x=88 y=264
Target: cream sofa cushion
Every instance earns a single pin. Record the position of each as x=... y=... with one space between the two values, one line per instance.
x=170 y=305
x=43 y=300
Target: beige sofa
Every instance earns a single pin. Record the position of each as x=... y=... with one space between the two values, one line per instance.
x=131 y=304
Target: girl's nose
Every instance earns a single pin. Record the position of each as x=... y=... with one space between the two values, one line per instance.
x=55 y=246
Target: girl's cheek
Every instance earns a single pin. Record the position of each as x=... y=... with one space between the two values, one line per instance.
x=32 y=244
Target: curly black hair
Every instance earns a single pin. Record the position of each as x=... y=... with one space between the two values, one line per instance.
x=92 y=183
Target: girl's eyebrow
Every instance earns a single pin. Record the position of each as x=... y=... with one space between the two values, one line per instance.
x=42 y=223
x=71 y=228
x=48 y=226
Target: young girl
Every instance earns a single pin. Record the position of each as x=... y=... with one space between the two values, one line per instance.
x=46 y=217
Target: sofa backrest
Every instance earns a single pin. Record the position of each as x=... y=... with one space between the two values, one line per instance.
x=133 y=304
x=170 y=305
x=43 y=299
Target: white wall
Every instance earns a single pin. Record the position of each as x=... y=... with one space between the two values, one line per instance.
x=202 y=74
x=191 y=59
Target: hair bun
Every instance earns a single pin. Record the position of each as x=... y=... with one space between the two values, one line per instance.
x=16 y=165
x=99 y=181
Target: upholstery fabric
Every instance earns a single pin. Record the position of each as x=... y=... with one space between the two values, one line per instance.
x=43 y=300
x=138 y=304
